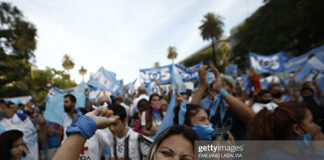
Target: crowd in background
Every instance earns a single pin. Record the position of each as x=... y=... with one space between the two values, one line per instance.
x=218 y=109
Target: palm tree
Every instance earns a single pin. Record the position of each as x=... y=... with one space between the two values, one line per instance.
x=224 y=52
x=172 y=54
x=156 y=65
x=68 y=64
x=82 y=71
x=211 y=29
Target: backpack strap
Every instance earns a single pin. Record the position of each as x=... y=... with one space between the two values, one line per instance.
x=140 y=136
x=126 y=154
x=147 y=115
x=126 y=147
x=115 y=147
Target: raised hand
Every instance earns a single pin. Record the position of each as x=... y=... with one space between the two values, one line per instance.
x=103 y=117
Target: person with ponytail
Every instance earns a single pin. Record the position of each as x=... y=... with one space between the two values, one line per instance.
x=152 y=118
x=290 y=121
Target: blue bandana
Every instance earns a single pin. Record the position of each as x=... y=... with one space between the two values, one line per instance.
x=156 y=114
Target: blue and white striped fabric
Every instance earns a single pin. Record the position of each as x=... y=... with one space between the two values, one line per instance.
x=55 y=107
x=177 y=81
x=104 y=80
x=267 y=64
x=54 y=91
x=169 y=116
x=293 y=64
x=231 y=70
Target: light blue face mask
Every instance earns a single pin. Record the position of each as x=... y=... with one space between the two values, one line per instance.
x=306 y=139
x=205 y=132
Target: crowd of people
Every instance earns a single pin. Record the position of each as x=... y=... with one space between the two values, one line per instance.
x=128 y=126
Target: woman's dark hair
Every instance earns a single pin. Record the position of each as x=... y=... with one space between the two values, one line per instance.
x=7 y=140
x=192 y=110
x=143 y=105
x=277 y=125
x=260 y=94
x=150 y=111
x=188 y=134
x=153 y=95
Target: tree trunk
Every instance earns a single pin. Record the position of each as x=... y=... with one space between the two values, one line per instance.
x=214 y=53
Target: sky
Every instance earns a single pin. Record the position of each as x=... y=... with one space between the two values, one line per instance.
x=123 y=36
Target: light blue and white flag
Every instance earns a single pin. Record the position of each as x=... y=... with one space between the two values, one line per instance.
x=131 y=85
x=153 y=88
x=267 y=64
x=167 y=120
x=55 y=107
x=189 y=73
x=320 y=81
x=120 y=89
x=316 y=63
x=293 y=64
x=231 y=70
x=94 y=93
x=79 y=88
x=163 y=74
x=54 y=91
x=177 y=81
x=104 y=80
x=17 y=100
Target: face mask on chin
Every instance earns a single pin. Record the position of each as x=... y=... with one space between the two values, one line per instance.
x=156 y=106
x=265 y=101
x=307 y=97
x=277 y=95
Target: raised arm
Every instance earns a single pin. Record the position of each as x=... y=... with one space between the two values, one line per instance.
x=72 y=147
x=244 y=112
x=203 y=85
x=317 y=86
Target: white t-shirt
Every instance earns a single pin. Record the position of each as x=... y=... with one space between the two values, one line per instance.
x=156 y=123
x=93 y=148
x=66 y=121
x=133 y=147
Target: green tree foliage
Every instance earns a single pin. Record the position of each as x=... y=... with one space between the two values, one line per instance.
x=17 y=45
x=211 y=29
x=82 y=72
x=172 y=53
x=43 y=80
x=292 y=26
